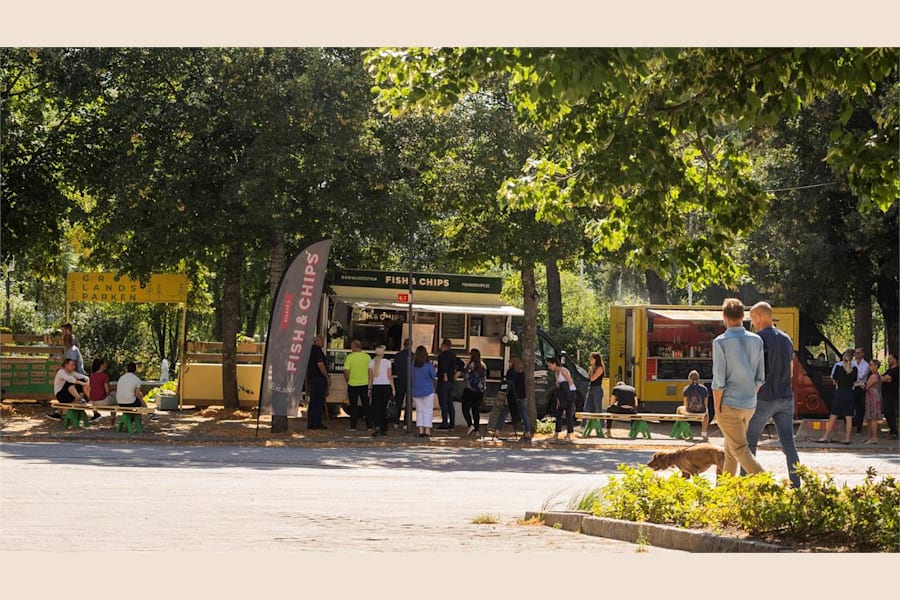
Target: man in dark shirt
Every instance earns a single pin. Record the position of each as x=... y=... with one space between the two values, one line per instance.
x=775 y=399
x=316 y=384
x=624 y=401
x=446 y=376
x=889 y=395
x=400 y=369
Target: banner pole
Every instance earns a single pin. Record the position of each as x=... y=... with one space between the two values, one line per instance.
x=409 y=357
x=183 y=347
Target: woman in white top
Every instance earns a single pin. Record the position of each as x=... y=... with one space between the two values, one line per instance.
x=381 y=388
x=565 y=396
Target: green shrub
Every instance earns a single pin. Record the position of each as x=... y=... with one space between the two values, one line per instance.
x=643 y=496
x=874 y=513
x=545 y=425
x=864 y=517
x=169 y=386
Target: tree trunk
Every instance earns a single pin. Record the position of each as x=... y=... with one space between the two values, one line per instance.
x=231 y=320
x=656 y=288
x=554 y=295
x=217 y=307
x=174 y=339
x=252 y=316
x=862 y=323
x=276 y=260
x=889 y=302
x=529 y=335
x=158 y=323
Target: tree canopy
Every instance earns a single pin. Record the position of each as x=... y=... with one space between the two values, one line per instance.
x=654 y=138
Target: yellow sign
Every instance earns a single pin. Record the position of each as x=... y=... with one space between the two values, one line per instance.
x=113 y=288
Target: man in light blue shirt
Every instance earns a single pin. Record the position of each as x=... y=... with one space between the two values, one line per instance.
x=738 y=373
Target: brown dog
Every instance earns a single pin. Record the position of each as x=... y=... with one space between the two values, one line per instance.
x=692 y=460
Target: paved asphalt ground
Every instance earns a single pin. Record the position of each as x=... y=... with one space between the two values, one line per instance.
x=409 y=499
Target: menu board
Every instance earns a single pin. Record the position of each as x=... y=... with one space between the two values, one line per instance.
x=453 y=327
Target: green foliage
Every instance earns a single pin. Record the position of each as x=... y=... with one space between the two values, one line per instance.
x=643 y=544
x=545 y=425
x=169 y=386
x=814 y=220
x=24 y=317
x=585 y=315
x=864 y=517
x=39 y=109
x=117 y=333
x=645 y=136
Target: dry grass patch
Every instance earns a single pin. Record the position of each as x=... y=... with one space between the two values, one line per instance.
x=485 y=519
x=535 y=520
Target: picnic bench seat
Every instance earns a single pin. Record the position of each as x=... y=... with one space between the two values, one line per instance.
x=129 y=416
x=680 y=430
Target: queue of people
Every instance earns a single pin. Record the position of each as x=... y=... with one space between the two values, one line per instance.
x=371 y=384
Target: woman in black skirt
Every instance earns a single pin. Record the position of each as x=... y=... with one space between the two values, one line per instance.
x=844 y=376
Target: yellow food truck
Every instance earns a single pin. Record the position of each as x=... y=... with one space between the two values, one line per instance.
x=654 y=347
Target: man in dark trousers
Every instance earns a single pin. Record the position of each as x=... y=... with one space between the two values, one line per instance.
x=889 y=395
x=775 y=399
x=859 y=388
x=623 y=402
x=400 y=368
x=448 y=365
x=316 y=384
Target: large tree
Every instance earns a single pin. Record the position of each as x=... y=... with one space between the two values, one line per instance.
x=207 y=156
x=815 y=249
x=645 y=135
x=38 y=106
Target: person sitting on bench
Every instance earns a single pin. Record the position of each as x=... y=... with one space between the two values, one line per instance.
x=70 y=387
x=128 y=388
x=696 y=400
x=624 y=402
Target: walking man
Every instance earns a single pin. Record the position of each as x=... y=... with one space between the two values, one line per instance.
x=775 y=399
x=738 y=373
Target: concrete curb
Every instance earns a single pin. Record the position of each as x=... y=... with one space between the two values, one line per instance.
x=661 y=536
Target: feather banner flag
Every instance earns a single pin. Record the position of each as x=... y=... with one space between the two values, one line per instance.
x=292 y=327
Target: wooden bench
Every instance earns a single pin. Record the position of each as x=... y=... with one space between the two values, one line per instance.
x=680 y=430
x=129 y=416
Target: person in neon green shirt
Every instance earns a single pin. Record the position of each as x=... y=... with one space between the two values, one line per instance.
x=356 y=372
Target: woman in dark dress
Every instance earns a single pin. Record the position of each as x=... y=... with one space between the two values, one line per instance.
x=844 y=376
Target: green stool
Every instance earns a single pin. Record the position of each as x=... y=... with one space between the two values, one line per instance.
x=681 y=430
x=130 y=422
x=74 y=418
x=593 y=426
x=639 y=427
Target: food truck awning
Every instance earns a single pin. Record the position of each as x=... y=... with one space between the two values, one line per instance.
x=466 y=309
x=688 y=315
